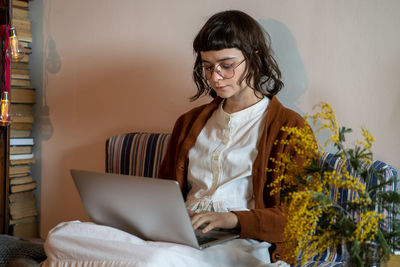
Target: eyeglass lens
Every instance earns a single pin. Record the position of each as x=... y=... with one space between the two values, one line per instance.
x=226 y=71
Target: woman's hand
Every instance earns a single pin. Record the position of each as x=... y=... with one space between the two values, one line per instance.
x=225 y=220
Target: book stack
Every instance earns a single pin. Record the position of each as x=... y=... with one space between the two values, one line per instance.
x=23 y=210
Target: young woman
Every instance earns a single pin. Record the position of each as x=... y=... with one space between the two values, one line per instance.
x=219 y=153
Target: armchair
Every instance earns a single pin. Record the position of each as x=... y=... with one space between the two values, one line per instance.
x=141 y=154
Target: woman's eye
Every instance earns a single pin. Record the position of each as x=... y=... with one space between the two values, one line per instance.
x=208 y=68
x=226 y=66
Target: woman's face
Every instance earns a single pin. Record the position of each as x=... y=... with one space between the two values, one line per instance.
x=219 y=66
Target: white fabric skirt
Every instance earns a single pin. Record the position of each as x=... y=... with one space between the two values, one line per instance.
x=87 y=244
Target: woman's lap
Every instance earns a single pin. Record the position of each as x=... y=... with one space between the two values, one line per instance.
x=87 y=244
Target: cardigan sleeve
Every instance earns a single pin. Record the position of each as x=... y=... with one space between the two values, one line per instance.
x=262 y=224
x=173 y=166
x=167 y=167
x=267 y=222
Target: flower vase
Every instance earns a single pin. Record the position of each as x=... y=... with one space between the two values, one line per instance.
x=369 y=255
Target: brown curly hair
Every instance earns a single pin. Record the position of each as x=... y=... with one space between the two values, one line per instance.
x=236 y=29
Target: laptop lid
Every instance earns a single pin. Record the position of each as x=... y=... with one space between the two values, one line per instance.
x=152 y=209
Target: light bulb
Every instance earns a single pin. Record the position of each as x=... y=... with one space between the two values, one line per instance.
x=15 y=51
x=5 y=109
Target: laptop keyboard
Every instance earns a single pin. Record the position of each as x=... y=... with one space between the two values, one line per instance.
x=213 y=235
x=205 y=239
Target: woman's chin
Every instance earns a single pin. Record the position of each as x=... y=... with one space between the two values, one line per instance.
x=223 y=94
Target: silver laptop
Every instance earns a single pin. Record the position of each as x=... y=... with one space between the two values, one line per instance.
x=152 y=209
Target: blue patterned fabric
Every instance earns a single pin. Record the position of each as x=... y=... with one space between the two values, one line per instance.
x=13 y=248
x=331 y=257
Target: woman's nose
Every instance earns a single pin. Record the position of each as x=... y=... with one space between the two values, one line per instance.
x=215 y=75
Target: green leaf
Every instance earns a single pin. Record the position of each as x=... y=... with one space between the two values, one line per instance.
x=383 y=244
x=321 y=198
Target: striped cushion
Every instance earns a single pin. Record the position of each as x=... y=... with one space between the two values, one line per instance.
x=347 y=195
x=136 y=153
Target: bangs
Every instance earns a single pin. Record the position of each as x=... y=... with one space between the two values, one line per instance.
x=220 y=37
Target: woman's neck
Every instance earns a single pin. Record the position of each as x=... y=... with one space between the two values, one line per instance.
x=235 y=104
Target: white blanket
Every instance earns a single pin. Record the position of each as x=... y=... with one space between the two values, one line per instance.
x=87 y=244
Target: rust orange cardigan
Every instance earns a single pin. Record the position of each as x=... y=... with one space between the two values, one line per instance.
x=266 y=221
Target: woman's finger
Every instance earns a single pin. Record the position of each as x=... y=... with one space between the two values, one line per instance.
x=209 y=227
x=199 y=219
x=226 y=220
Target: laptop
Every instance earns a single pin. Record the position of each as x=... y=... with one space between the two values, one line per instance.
x=152 y=209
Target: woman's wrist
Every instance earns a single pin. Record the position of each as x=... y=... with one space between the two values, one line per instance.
x=235 y=221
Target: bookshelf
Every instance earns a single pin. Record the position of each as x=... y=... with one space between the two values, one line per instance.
x=18 y=207
x=23 y=211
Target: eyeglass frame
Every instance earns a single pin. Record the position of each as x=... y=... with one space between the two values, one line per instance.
x=214 y=69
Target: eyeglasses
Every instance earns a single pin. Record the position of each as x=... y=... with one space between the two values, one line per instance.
x=226 y=71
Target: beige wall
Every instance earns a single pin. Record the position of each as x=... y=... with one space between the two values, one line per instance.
x=107 y=67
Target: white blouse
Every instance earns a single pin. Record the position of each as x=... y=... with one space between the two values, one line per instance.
x=220 y=162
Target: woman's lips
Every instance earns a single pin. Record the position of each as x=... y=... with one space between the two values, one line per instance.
x=219 y=87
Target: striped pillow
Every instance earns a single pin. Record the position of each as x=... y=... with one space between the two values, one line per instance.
x=347 y=195
x=136 y=153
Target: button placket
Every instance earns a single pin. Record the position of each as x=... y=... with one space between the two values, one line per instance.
x=216 y=157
